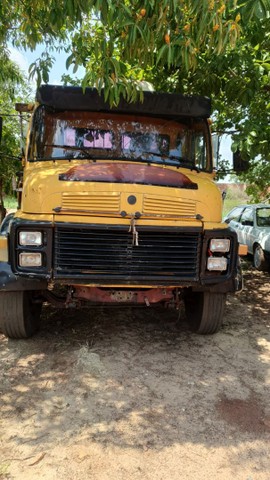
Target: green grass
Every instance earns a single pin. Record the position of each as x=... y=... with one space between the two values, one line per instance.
x=10 y=201
x=230 y=204
x=234 y=198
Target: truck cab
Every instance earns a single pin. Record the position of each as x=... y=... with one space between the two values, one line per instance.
x=117 y=205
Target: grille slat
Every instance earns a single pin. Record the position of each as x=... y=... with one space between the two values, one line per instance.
x=168 y=206
x=96 y=262
x=100 y=202
x=93 y=253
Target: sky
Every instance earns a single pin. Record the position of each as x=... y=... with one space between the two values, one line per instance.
x=25 y=58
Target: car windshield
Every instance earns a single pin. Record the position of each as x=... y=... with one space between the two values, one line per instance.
x=93 y=135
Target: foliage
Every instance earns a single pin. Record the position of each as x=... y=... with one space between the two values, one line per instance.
x=14 y=88
x=10 y=76
x=119 y=41
x=212 y=47
x=257 y=178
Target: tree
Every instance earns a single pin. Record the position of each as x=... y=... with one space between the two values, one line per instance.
x=13 y=88
x=213 y=47
x=119 y=40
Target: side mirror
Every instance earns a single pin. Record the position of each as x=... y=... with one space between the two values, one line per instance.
x=1 y=125
x=239 y=163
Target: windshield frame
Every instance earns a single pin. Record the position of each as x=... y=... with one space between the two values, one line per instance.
x=38 y=127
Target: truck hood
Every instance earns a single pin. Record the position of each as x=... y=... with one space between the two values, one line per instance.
x=114 y=189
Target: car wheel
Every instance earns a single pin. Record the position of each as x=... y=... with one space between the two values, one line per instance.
x=259 y=261
x=204 y=311
x=19 y=315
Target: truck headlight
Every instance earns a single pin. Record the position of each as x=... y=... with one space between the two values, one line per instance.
x=217 y=263
x=30 y=259
x=30 y=238
x=220 y=245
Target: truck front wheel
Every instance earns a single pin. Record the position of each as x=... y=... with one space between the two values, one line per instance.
x=19 y=314
x=204 y=311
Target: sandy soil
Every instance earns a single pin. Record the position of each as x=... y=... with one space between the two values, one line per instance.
x=125 y=394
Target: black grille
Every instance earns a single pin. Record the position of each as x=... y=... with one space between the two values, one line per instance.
x=107 y=254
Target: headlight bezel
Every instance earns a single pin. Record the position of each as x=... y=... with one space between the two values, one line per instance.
x=218 y=244
x=15 y=248
x=217 y=276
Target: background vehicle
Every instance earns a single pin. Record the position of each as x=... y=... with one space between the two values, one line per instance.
x=252 y=225
x=118 y=205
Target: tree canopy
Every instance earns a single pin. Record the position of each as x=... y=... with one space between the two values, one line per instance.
x=13 y=88
x=218 y=48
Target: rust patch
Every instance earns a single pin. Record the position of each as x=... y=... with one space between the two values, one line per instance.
x=246 y=415
x=99 y=295
x=127 y=173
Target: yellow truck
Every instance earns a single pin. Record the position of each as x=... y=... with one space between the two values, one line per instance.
x=117 y=205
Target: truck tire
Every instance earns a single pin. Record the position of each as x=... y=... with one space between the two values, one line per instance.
x=259 y=261
x=19 y=315
x=204 y=311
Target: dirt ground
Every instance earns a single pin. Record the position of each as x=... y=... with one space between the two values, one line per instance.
x=127 y=394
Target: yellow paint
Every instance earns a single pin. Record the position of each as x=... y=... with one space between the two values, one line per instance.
x=90 y=202
x=33 y=217
x=3 y=249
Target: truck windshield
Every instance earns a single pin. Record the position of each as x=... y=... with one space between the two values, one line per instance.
x=100 y=136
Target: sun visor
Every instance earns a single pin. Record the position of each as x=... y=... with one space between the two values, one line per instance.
x=170 y=105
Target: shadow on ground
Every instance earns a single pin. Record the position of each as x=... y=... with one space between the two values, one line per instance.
x=138 y=379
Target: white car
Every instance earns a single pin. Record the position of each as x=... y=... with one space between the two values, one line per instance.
x=252 y=225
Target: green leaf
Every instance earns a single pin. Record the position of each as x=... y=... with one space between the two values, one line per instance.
x=161 y=53
x=266 y=66
x=69 y=61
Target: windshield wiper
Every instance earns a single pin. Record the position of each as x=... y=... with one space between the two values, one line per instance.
x=185 y=163
x=147 y=157
x=74 y=148
x=182 y=161
x=53 y=159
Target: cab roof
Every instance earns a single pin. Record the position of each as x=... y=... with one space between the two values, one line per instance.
x=171 y=105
